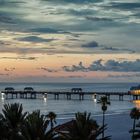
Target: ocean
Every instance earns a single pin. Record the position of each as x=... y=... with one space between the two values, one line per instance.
x=67 y=108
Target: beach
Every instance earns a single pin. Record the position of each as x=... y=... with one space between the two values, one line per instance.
x=118 y=125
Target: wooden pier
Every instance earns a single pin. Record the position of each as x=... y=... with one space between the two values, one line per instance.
x=29 y=93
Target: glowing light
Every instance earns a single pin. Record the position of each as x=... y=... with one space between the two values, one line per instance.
x=45 y=97
x=95 y=100
x=94 y=97
x=137 y=91
x=137 y=103
x=2 y=96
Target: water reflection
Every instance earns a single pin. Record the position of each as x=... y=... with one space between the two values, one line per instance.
x=45 y=97
x=2 y=99
x=137 y=103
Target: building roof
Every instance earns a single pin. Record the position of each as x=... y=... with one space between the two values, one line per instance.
x=28 y=88
x=9 y=88
x=135 y=88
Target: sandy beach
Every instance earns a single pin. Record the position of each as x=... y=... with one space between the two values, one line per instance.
x=118 y=125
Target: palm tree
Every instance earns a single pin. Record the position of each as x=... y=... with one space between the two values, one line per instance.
x=134 y=114
x=104 y=102
x=3 y=128
x=82 y=128
x=52 y=117
x=36 y=127
x=13 y=119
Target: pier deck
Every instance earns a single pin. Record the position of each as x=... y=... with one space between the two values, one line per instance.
x=33 y=94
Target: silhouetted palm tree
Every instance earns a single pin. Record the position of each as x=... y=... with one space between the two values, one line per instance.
x=82 y=128
x=13 y=119
x=3 y=128
x=134 y=114
x=36 y=127
x=52 y=117
x=104 y=102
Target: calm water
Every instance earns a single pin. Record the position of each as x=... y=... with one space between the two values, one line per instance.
x=66 y=108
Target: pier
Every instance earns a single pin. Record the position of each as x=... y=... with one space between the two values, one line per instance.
x=29 y=93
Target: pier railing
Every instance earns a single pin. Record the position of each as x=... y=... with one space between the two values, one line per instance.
x=31 y=94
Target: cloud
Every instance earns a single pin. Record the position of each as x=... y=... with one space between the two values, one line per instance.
x=98 y=18
x=117 y=49
x=92 y=44
x=125 y=5
x=74 y=1
x=48 y=70
x=113 y=65
x=4 y=74
x=6 y=19
x=75 y=68
x=76 y=76
x=48 y=30
x=16 y=58
x=3 y=43
x=27 y=50
x=124 y=75
x=68 y=19
x=110 y=49
x=79 y=12
x=34 y=39
x=110 y=65
x=9 y=69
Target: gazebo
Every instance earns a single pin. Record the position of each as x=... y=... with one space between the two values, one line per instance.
x=29 y=89
x=9 y=89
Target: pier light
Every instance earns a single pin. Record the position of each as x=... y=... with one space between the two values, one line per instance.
x=135 y=90
x=94 y=97
x=95 y=100
x=45 y=97
x=137 y=103
x=2 y=96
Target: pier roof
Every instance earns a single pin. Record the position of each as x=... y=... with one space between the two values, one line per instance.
x=9 y=89
x=28 y=89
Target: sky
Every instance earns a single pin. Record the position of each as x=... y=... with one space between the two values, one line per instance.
x=70 y=41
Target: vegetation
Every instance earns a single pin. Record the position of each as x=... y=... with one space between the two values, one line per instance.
x=83 y=128
x=104 y=102
x=52 y=117
x=135 y=115
x=18 y=125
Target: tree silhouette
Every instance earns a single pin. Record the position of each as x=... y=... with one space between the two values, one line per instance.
x=36 y=127
x=82 y=128
x=134 y=114
x=13 y=119
x=104 y=102
x=52 y=117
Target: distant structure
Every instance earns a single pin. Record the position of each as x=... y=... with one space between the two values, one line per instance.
x=28 y=89
x=135 y=90
x=9 y=89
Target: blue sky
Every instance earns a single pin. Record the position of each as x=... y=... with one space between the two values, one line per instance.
x=95 y=40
